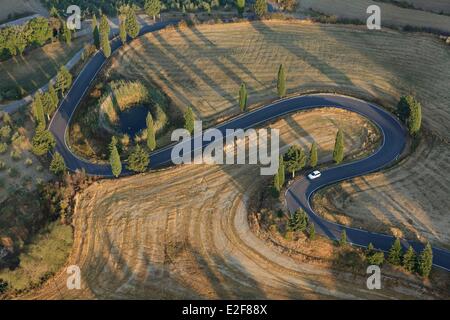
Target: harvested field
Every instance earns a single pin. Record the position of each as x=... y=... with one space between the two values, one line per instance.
x=391 y=14
x=409 y=200
x=438 y=6
x=183 y=233
x=204 y=66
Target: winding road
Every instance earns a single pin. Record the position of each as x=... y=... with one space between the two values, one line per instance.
x=299 y=193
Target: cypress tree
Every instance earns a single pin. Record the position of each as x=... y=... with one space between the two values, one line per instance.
x=243 y=97
x=131 y=24
x=151 y=140
x=106 y=46
x=313 y=155
x=343 y=239
x=104 y=26
x=276 y=186
x=42 y=142
x=38 y=111
x=260 y=8
x=409 y=259
x=425 y=261
x=395 y=253
x=338 y=153
x=281 y=82
x=240 y=5
x=67 y=34
x=53 y=95
x=95 y=32
x=114 y=160
x=189 y=120
x=415 y=117
x=122 y=32
x=57 y=166
x=63 y=80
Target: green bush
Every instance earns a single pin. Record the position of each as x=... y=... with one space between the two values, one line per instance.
x=13 y=172
x=16 y=155
x=3 y=147
x=28 y=162
x=5 y=133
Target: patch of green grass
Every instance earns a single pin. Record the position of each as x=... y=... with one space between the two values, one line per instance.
x=45 y=254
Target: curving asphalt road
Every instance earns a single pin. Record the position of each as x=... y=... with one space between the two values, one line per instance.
x=299 y=193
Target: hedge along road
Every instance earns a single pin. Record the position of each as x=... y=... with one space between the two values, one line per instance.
x=299 y=193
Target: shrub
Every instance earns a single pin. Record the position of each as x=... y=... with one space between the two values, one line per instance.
x=138 y=160
x=57 y=166
x=16 y=155
x=28 y=162
x=3 y=147
x=13 y=172
x=5 y=132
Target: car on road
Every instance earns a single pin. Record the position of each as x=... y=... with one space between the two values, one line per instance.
x=314 y=175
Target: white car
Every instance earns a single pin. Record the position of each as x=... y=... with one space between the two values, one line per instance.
x=314 y=175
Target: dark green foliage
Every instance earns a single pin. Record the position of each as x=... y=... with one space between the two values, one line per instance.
x=95 y=32
x=106 y=46
x=131 y=24
x=410 y=112
x=410 y=259
x=343 y=239
x=338 y=152
x=311 y=231
x=138 y=160
x=313 y=158
x=122 y=32
x=425 y=261
x=3 y=286
x=38 y=30
x=276 y=186
x=151 y=139
x=298 y=221
x=243 y=97
x=57 y=166
x=38 y=111
x=152 y=7
x=374 y=257
x=240 y=5
x=104 y=36
x=43 y=142
x=114 y=160
x=260 y=8
x=395 y=253
x=63 y=80
x=189 y=119
x=281 y=82
x=294 y=159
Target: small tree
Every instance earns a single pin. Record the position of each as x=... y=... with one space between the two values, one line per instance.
x=122 y=32
x=311 y=231
x=294 y=159
x=343 y=239
x=106 y=46
x=38 y=111
x=42 y=142
x=152 y=8
x=260 y=8
x=281 y=81
x=281 y=172
x=338 y=152
x=298 y=221
x=57 y=166
x=67 y=34
x=114 y=160
x=104 y=27
x=189 y=119
x=425 y=261
x=151 y=139
x=138 y=160
x=395 y=253
x=243 y=98
x=240 y=5
x=409 y=259
x=375 y=258
x=131 y=24
x=53 y=95
x=63 y=80
x=95 y=32
x=276 y=186
x=313 y=159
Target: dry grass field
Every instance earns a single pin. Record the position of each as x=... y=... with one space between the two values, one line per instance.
x=204 y=66
x=183 y=233
x=36 y=68
x=410 y=200
x=10 y=8
x=391 y=15
x=438 y=6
